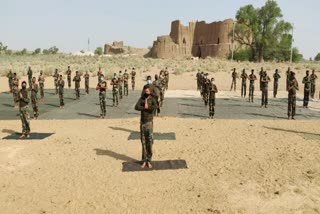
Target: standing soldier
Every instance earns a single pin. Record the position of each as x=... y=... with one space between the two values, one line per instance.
x=125 y=81
x=120 y=82
x=166 y=75
x=34 y=98
x=146 y=105
x=61 y=91
x=198 y=80
x=276 y=77
x=293 y=87
x=77 y=80
x=102 y=87
x=133 y=78
x=15 y=90
x=288 y=78
x=41 y=84
x=234 y=76
x=265 y=79
x=260 y=77
x=251 y=78
x=115 y=90
x=244 y=78
x=157 y=93
x=205 y=93
x=10 y=77
x=23 y=99
x=56 y=78
x=99 y=75
x=68 y=72
x=86 y=77
x=307 y=86
x=313 y=78
x=29 y=73
x=212 y=97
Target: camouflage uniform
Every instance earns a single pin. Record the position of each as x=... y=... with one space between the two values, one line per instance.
x=77 y=80
x=212 y=98
x=102 y=97
x=115 y=91
x=146 y=126
x=29 y=73
x=125 y=81
x=313 y=78
x=158 y=87
x=86 y=82
x=288 y=78
x=15 y=90
x=56 y=79
x=10 y=77
x=166 y=77
x=252 y=78
x=198 y=81
x=205 y=92
x=120 y=85
x=41 y=85
x=133 y=78
x=292 y=97
x=234 y=76
x=264 y=88
x=244 y=77
x=260 y=77
x=307 y=86
x=161 y=87
x=68 y=72
x=276 y=78
x=34 y=99
x=61 y=92
x=24 y=110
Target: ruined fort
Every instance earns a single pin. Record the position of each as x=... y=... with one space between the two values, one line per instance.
x=199 y=39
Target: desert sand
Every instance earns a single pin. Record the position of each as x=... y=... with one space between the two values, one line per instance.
x=234 y=166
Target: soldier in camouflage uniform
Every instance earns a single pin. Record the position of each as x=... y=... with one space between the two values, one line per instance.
x=133 y=78
x=260 y=77
x=161 y=87
x=61 y=91
x=86 y=77
x=29 y=73
x=205 y=92
x=41 y=80
x=166 y=77
x=251 y=78
x=276 y=77
x=307 y=86
x=120 y=84
x=293 y=87
x=146 y=105
x=212 y=97
x=34 y=98
x=23 y=99
x=15 y=90
x=265 y=79
x=102 y=87
x=99 y=75
x=244 y=78
x=125 y=83
x=56 y=78
x=158 y=87
x=68 y=72
x=288 y=78
x=313 y=78
x=10 y=77
x=77 y=80
x=115 y=90
x=234 y=76
x=198 y=80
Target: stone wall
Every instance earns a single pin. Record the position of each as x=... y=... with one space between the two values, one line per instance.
x=115 y=48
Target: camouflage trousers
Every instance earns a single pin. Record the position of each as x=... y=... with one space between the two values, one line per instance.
x=243 y=90
x=10 y=85
x=313 y=90
x=251 y=92
x=69 y=81
x=233 y=84
x=24 y=116
x=291 y=105
x=205 y=98
x=275 y=89
x=120 y=91
x=15 y=96
x=30 y=81
x=157 y=111
x=56 y=86
x=87 y=88
x=212 y=103
x=41 y=90
x=126 y=91
x=146 y=136
x=167 y=84
x=161 y=98
x=133 y=83
x=102 y=100
x=34 y=103
x=61 y=99
x=306 y=98
x=115 y=97
x=77 y=93
x=264 y=99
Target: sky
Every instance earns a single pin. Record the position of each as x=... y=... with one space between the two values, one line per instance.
x=67 y=24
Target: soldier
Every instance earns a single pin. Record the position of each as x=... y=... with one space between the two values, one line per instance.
x=29 y=73
x=198 y=80
x=288 y=78
x=157 y=93
x=34 y=98
x=133 y=78
x=201 y=83
x=125 y=81
x=102 y=87
x=293 y=87
x=205 y=92
x=10 y=77
x=276 y=77
x=56 y=78
x=61 y=91
x=212 y=97
x=15 y=89
x=146 y=105
x=251 y=78
x=120 y=82
x=41 y=80
x=77 y=80
x=244 y=77
x=23 y=99
x=115 y=90
x=234 y=76
x=162 y=87
x=166 y=75
x=261 y=75
x=265 y=79
x=313 y=78
x=99 y=74
x=68 y=72
x=307 y=86
x=86 y=77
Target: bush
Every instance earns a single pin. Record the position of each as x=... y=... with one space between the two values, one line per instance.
x=243 y=55
x=98 y=51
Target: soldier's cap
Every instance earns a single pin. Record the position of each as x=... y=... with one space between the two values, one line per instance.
x=24 y=82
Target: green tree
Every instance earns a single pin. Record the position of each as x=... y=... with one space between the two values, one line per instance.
x=261 y=29
x=317 y=58
x=37 y=51
x=3 y=48
x=53 y=50
x=98 y=51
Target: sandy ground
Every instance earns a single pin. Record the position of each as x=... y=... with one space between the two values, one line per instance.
x=234 y=166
